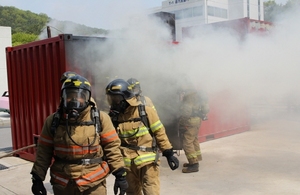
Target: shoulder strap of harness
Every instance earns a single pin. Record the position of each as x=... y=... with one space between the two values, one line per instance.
x=144 y=117
x=143 y=99
x=55 y=122
x=96 y=119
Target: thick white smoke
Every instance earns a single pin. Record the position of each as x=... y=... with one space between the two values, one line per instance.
x=256 y=69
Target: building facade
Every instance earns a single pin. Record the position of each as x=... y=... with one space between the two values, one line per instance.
x=5 y=41
x=197 y=12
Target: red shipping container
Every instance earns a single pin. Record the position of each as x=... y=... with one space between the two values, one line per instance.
x=34 y=71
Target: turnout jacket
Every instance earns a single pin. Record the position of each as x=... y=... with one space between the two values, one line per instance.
x=83 y=142
x=133 y=132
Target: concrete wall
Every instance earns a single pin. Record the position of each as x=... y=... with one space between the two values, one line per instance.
x=5 y=41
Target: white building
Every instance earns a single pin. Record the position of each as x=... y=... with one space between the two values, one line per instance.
x=196 y=12
x=5 y=41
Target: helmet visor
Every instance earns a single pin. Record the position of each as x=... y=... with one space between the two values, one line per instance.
x=75 y=98
x=114 y=99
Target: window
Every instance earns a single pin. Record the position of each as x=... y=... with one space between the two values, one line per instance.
x=217 y=12
x=197 y=11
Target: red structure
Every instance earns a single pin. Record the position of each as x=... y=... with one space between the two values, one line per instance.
x=240 y=27
x=34 y=71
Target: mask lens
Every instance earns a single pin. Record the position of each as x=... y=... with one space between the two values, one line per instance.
x=114 y=99
x=75 y=98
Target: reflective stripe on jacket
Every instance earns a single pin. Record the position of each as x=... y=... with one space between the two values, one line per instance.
x=93 y=176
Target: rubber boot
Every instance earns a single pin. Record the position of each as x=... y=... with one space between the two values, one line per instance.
x=191 y=168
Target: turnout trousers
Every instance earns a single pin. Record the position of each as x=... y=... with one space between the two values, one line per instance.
x=145 y=179
x=190 y=142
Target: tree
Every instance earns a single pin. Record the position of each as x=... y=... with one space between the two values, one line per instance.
x=22 y=38
x=272 y=10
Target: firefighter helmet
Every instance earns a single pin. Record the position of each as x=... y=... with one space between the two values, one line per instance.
x=117 y=92
x=119 y=87
x=76 y=93
x=66 y=75
x=135 y=85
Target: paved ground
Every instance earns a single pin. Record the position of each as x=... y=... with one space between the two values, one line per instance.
x=264 y=160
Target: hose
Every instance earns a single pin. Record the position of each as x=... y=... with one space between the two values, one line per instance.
x=18 y=150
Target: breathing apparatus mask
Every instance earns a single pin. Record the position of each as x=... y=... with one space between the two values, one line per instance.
x=75 y=96
x=75 y=101
x=118 y=103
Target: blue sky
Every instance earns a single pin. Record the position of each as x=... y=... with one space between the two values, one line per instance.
x=105 y=14
x=94 y=13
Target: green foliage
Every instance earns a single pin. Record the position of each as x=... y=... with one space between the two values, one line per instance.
x=26 y=26
x=22 y=21
x=22 y=38
x=272 y=9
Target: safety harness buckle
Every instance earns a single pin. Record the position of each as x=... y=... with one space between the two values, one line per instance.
x=143 y=148
x=86 y=161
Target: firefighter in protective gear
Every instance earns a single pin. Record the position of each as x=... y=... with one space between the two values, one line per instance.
x=139 y=144
x=193 y=110
x=78 y=143
x=137 y=91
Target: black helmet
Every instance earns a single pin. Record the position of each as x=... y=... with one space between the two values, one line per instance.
x=135 y=85
x=76 y=93
x=119 y=87
x=66 y=75
x=117 y=92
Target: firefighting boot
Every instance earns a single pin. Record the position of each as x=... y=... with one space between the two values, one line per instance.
x=188 y=164
x=191 y=168
x=199 y=157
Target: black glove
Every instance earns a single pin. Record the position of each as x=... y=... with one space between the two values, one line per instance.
x=120 y=182
x=172 y=160
x=37 y=187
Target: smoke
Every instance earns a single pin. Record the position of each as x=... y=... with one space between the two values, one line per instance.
x=255 y=69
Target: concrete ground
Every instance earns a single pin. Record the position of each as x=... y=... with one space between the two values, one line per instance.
x=264 y=160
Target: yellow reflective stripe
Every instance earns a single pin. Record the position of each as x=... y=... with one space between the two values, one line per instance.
x=150 y=157
x=198 y=152
x=192 y=155
x=144 y=158
x=155 y=126
x=127 y=161
x=142 y=131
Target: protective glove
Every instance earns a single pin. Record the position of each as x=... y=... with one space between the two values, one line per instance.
x=37 y=187
x=120 y=182
x=172 y=160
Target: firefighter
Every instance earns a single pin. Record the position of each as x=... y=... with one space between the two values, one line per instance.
x=142 y=134
x=137 y=91
x=194 y=109
x=77 y=138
